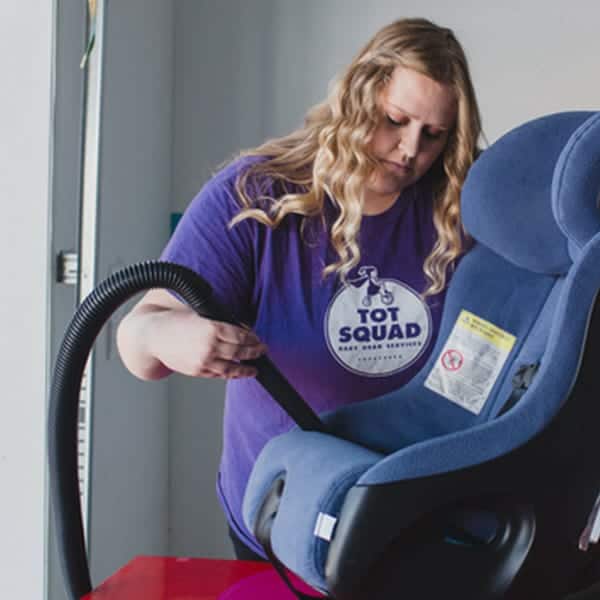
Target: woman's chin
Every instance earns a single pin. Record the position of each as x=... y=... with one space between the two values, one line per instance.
x=390 y=185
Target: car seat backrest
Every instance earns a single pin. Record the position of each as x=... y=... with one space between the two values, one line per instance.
x=530 y=202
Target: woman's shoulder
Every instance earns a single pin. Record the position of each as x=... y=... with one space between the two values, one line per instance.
x=260 y=185
x=229 y=174
x=219 y=192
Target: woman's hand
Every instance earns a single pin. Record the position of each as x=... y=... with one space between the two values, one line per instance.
x=161 y=335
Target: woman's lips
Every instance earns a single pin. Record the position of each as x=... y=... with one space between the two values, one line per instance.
x=398 y=167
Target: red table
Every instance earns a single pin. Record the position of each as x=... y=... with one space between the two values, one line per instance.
x=166 y=578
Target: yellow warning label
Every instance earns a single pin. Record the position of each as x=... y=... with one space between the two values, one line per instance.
x=470 y=361
x=486 y=330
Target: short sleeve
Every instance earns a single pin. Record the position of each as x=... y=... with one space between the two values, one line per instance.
x=225 y=257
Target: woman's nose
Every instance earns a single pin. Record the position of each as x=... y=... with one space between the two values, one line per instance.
x=409 y=143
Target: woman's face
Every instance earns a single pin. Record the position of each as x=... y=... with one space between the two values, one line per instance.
x=417 y=114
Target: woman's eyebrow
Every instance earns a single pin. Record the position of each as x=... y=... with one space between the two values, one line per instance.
x=408 y=114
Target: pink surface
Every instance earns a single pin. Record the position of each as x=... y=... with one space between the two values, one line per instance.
x=167 y=578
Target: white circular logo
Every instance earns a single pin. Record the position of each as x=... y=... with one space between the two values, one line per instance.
x=377 y=327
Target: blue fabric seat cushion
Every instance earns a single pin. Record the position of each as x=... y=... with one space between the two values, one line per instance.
x=319 y=470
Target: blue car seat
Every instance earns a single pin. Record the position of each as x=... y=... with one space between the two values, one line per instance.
x=478 y=479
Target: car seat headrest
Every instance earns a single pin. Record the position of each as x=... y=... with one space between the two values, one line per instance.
x=532 y=197
x=576 y=186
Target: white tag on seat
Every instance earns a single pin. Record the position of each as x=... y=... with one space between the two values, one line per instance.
x=591 y=532
x=324 y=526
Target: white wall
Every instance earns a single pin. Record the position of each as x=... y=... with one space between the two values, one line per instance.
x=25 y=64
x=248 y=70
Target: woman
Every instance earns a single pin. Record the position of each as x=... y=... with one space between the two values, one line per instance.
x=332 y=245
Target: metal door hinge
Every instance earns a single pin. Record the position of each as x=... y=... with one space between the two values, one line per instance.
x=67 y=267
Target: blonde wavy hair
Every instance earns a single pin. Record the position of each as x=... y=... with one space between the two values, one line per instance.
x=329 y=156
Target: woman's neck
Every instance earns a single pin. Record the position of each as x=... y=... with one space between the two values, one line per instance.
x=375 y=204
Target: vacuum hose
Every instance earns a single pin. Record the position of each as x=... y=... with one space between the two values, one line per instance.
x=79 y=338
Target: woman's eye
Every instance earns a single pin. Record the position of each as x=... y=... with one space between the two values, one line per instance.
x=393 y=121
x=431 y=135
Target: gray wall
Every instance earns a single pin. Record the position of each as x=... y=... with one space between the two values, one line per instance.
x=129 y=472
x=248 y=70
x=67 y=124
x=25 y=123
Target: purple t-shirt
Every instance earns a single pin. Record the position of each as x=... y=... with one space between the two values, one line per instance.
x=336 y=343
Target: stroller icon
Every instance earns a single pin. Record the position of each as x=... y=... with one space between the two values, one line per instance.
x=375 y=286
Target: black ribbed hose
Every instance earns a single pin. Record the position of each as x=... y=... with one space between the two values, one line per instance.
x=79 y=338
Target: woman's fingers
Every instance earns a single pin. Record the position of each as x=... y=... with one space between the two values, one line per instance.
x=226 y=346
x=234 y=334
x=233 y=343
x=224 y=369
